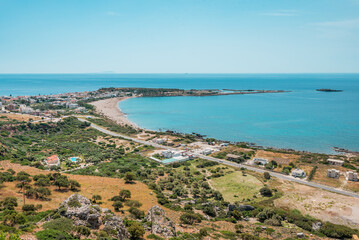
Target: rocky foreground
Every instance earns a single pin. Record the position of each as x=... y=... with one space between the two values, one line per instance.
x=84 y=213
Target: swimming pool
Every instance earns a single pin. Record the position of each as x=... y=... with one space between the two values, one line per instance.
x=73 y=159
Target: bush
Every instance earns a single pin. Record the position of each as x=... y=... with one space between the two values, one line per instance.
x=129 y=177
x=266 y=175
x=124 y=195
x=117 y=205
x=51 y=234
x=61 y=224
x=154 y=236
x=266 y=192
x=191 y=218
x=136 y=231
x=9 y=203
x=133 y=203
x=28 y=208
x=209 y=210
x=83 y=231
x=337 y=231
x=136 y=213
x=74 y=202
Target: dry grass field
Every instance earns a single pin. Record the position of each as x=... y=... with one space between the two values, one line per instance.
x=90 y=185
x=18 y=117
x=321 y=204
x=236 y=187
x=284 y=157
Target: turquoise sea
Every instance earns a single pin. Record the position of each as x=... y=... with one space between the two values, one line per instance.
x=302 y=119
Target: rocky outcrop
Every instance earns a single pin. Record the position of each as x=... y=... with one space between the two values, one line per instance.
x=84 y=213
x=159 y=223
x=115 y=223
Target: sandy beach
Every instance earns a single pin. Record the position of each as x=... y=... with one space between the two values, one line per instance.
x=109 y=108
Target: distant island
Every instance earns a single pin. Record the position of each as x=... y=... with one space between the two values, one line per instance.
x=328 y=90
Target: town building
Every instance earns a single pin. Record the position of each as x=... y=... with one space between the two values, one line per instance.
x=52 y=161
x=170 y=154
x=298 y=173
x=25 y=109
x=72 y=105
x=207 y=151
x=11 y=107
x=260 y=161
x=336 y=162
x=333 y=173
x=159 y=140
x=352 y=176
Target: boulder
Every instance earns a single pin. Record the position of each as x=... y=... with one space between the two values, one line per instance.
x=84 y=213
x=116 y=223
x=316 y=226
x=159 y=223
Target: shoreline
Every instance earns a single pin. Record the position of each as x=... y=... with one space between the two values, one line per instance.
x=110 y=109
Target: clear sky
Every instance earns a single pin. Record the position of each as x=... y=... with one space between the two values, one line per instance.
x=179 y=36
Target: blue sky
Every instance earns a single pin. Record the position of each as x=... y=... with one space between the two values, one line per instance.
x=179 y=36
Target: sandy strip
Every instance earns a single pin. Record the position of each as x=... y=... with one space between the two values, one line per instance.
x=109 y=108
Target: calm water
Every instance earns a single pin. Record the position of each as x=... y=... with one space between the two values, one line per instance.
x=303 y=119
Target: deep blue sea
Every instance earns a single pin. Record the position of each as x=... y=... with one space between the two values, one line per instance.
x=302 y=119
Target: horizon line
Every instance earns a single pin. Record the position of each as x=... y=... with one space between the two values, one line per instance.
x=109 y=73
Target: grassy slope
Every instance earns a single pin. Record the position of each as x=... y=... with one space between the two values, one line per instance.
x=236 y=184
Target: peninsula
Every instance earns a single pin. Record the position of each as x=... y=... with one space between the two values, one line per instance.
x=328 y=90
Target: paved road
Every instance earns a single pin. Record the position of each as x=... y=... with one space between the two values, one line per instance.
x=274 y=174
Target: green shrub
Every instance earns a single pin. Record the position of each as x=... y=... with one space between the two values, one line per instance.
x=61 y=224
x=52 y=234
x=74 y=202
x=136 y=231
x=337 y=231
x=133 y=203
x=191 y=218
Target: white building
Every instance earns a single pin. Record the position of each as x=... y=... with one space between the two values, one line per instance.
x=333 y=173
x=298 y=173
x=352 y=176
x=25 y=109
x=336 y=162
x=72 y=105
x=159 y=140
x=170 y=154
x=261 y=161
x=207 y=151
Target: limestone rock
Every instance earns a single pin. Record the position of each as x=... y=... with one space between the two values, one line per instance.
x=84 y=213
x=116 y=224
x=160 y=224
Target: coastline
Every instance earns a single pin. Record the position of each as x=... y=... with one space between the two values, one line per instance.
x=109 y=108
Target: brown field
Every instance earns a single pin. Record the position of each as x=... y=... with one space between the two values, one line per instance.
x=321 y=204
x=283 y=157
x=90 y=185
x=19 y=117
x=320 y=176
x=352 y=186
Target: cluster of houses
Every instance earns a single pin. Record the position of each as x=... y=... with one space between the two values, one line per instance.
x=334 y=173
x=350 y=175
x=24 y=104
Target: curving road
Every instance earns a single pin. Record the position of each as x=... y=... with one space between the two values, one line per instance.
x=237 y=165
